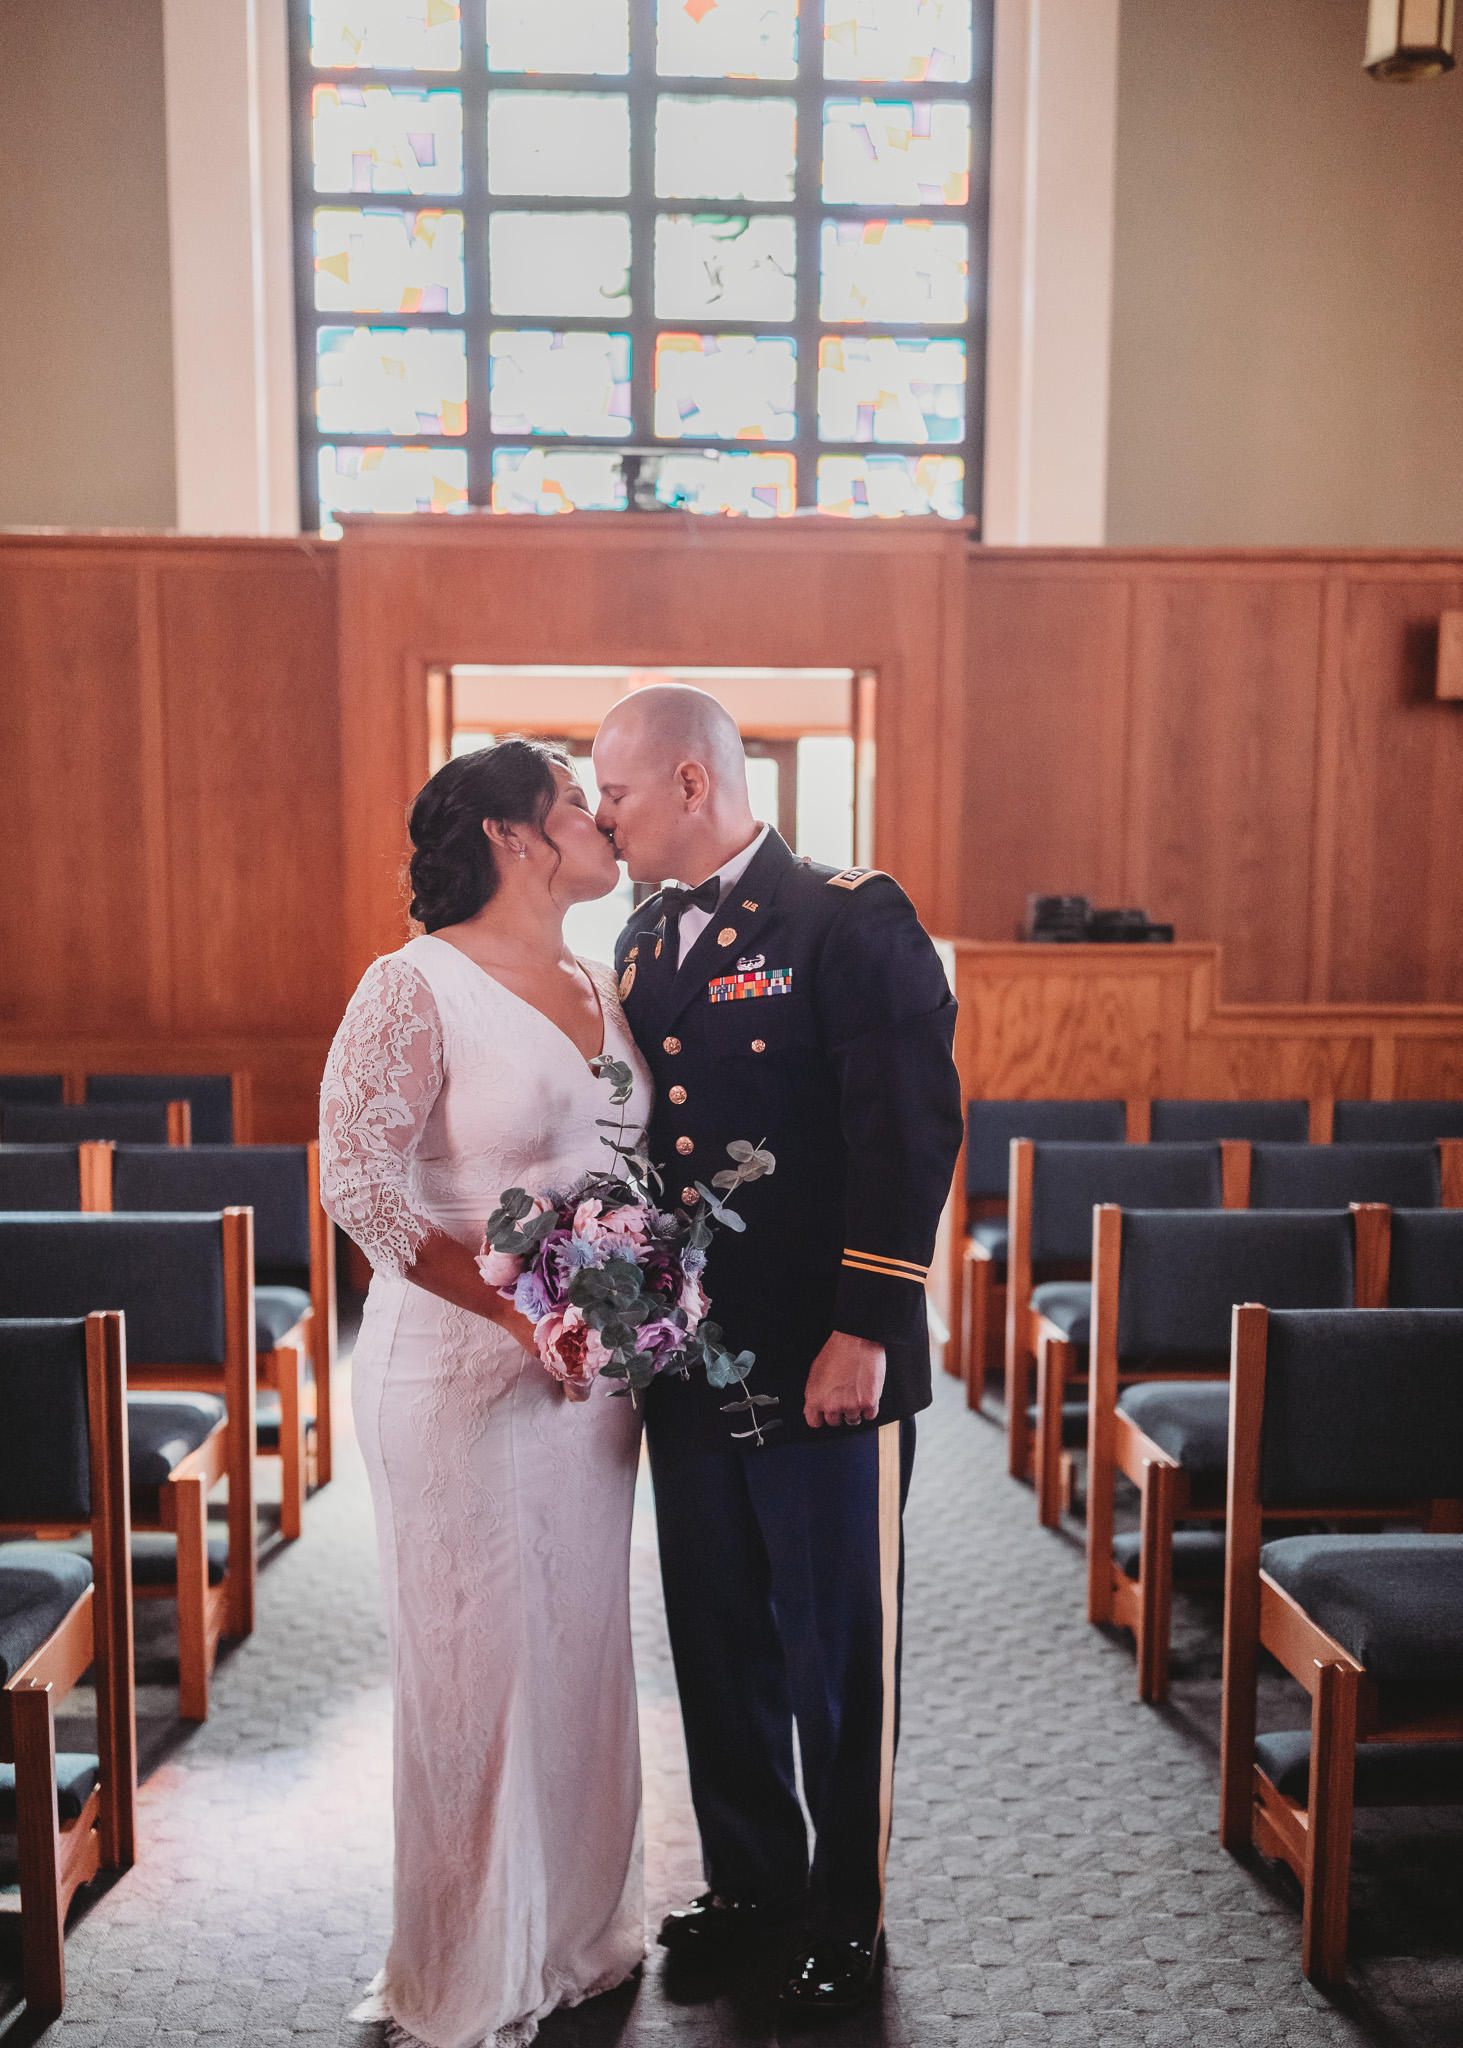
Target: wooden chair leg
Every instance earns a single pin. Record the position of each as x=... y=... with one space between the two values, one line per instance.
x=1018 y=1427
x=1069 y=1483
x=1328 y=1837
x=1054 y=1359
x=38 y=1830
x=289 y=1371
x=1155 y=1580
x=974 y=1306
x=323 y=1415
x=191 y=1523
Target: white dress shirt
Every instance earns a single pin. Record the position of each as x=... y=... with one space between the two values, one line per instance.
x=694 y=922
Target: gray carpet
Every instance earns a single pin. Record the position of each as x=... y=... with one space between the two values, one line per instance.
x=1055 y=1873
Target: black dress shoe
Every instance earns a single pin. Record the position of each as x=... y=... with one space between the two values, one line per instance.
x=712 y=1927
x=834 y=1976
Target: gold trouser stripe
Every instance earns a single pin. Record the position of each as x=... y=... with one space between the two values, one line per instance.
x=892 y=1269
x=889 y=1600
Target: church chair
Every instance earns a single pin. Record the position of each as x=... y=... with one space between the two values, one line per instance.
x=186 y=1285
x=294 y=1291
x=75 y=1123
x=1342 y=1417
x=1054 y=1188
x=1426 y=1267
x=63 y=1464
x=1177 y=1122
x=1396 y=1123
x=1332 y=1176
x=980 y=1310
x=219 y=1103
x=1164 y=1284
x=32 y=1088
x=70 y=1177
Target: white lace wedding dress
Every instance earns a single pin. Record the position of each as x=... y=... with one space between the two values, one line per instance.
x=502 y=1514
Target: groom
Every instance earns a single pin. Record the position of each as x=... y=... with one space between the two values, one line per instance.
x=805 y=1008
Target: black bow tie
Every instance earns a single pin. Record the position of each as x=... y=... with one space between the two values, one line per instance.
x=677 y=900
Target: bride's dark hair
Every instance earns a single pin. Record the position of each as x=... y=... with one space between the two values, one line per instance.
x=454 y=870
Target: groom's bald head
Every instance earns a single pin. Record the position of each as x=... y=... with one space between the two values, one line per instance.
x=673 y=782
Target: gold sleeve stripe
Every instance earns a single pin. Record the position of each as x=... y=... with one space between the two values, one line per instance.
x=890 y=1269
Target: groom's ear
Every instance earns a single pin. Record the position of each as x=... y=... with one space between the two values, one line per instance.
x=694 y=784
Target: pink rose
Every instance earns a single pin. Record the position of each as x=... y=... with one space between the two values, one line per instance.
x=628 y=1222
x=569 y=1349
x=589 y=1222
x=499 y=1269
x=693 y=1300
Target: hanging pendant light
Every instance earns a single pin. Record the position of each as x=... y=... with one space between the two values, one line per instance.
x=1407 y=39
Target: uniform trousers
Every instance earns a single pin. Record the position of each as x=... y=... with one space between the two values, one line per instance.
x=783 y=1572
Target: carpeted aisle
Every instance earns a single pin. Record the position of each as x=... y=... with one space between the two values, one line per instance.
x=1055 y=1876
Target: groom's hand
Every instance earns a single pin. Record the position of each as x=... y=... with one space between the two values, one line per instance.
x=845 y=1383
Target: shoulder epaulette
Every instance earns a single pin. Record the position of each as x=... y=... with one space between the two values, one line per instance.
x=854 y=878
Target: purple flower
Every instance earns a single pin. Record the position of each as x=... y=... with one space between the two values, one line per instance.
x=659 y=1339
x=531 y=1298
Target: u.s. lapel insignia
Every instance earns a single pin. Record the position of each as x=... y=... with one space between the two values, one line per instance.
x=726 y=936
x=627 y=979
x=749 y=906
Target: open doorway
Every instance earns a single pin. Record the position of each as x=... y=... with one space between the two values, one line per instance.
x=808 y=735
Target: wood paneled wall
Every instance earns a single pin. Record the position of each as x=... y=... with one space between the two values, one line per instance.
x=208 y=747
x=1245 y=743
x=170 y=829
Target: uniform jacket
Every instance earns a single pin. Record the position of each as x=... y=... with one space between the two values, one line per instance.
x=813 y=1016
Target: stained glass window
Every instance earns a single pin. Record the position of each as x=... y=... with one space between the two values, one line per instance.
x=725 y=387
x=547 y=383
x=379 y=260
x=914 y=40
x=708 y=148
x=573 y=145
x=726 y=255
x=896 y=152
x=882 y=389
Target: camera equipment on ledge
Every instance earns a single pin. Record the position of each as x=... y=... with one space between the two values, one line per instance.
x=1072 y=921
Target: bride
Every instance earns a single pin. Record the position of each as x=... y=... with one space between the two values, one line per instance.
x=502 y=1509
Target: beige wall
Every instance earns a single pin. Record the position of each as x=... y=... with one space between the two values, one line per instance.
x=1287 y=355
x=86 y=387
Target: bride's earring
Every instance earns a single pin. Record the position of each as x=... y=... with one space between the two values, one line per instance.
x=523 y=853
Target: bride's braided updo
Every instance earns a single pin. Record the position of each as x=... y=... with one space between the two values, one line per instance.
x=453 y=869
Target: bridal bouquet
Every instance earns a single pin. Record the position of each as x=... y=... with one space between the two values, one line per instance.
x=610 y=1281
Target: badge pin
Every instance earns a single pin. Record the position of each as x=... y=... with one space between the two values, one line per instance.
x=627 y=981
x=749 y=906
x=751 y=961
x=726 y=937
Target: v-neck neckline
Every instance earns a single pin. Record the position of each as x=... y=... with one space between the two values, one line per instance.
x=523 y=1002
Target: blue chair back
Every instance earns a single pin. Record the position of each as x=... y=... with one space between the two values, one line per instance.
x=210 y=1096
x=1362 y=1408
x=1276 y=1123
x=1396 y=1123
x=273 y=1180
x=1067 y=1180
x=165 y=1273
x=31 y=1088
x=990 y=1127
x=40 y=1177
x=72 y=1123
x=1183 y=1270
x=1330 y=1176
x=1427 y=1258
x=45 y=1445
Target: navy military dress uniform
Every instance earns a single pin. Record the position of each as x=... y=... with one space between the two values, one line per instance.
x=811 y=1016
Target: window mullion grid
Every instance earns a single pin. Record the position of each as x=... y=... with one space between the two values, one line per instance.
x=807 y=209
x=474 y=77
x=643 y=86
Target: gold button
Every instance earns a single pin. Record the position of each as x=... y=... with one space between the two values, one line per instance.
x=678 y=1096
x=690 y=1197
x=759 y=1045
x=684 y=1145
x=726 y=936
x=671 y=1044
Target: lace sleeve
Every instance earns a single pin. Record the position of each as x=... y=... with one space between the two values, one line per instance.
x=381 y=1079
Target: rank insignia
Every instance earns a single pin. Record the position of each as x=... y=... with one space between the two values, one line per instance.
x=853 y=878
x=734 y=988
x=627 y=981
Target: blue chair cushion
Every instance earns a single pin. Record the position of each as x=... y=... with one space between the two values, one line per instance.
x=1068 y=1304
x=155 y=1555
x=1191 y=1423
x=165 y=1273
x=1387 y=1773
x=163 y=1428
x=272 y=1180
x=276 y=1311
x=1074 y=1424
x=32 y=1088
x=1198 y=1555
x=1427 y=1258
x=1183 y=1271
x=76 y=1780
x=993 y=1236
x=1067 y=1180
x=210 y=1098
x=990 y=1127
x=40 y=1177
x=1330 y=1176
x=1395 y=1123
x=1395 y=1601
x=1279 y=1123
x=70 y=1123
x=45 y=1448
x=40 y=1583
